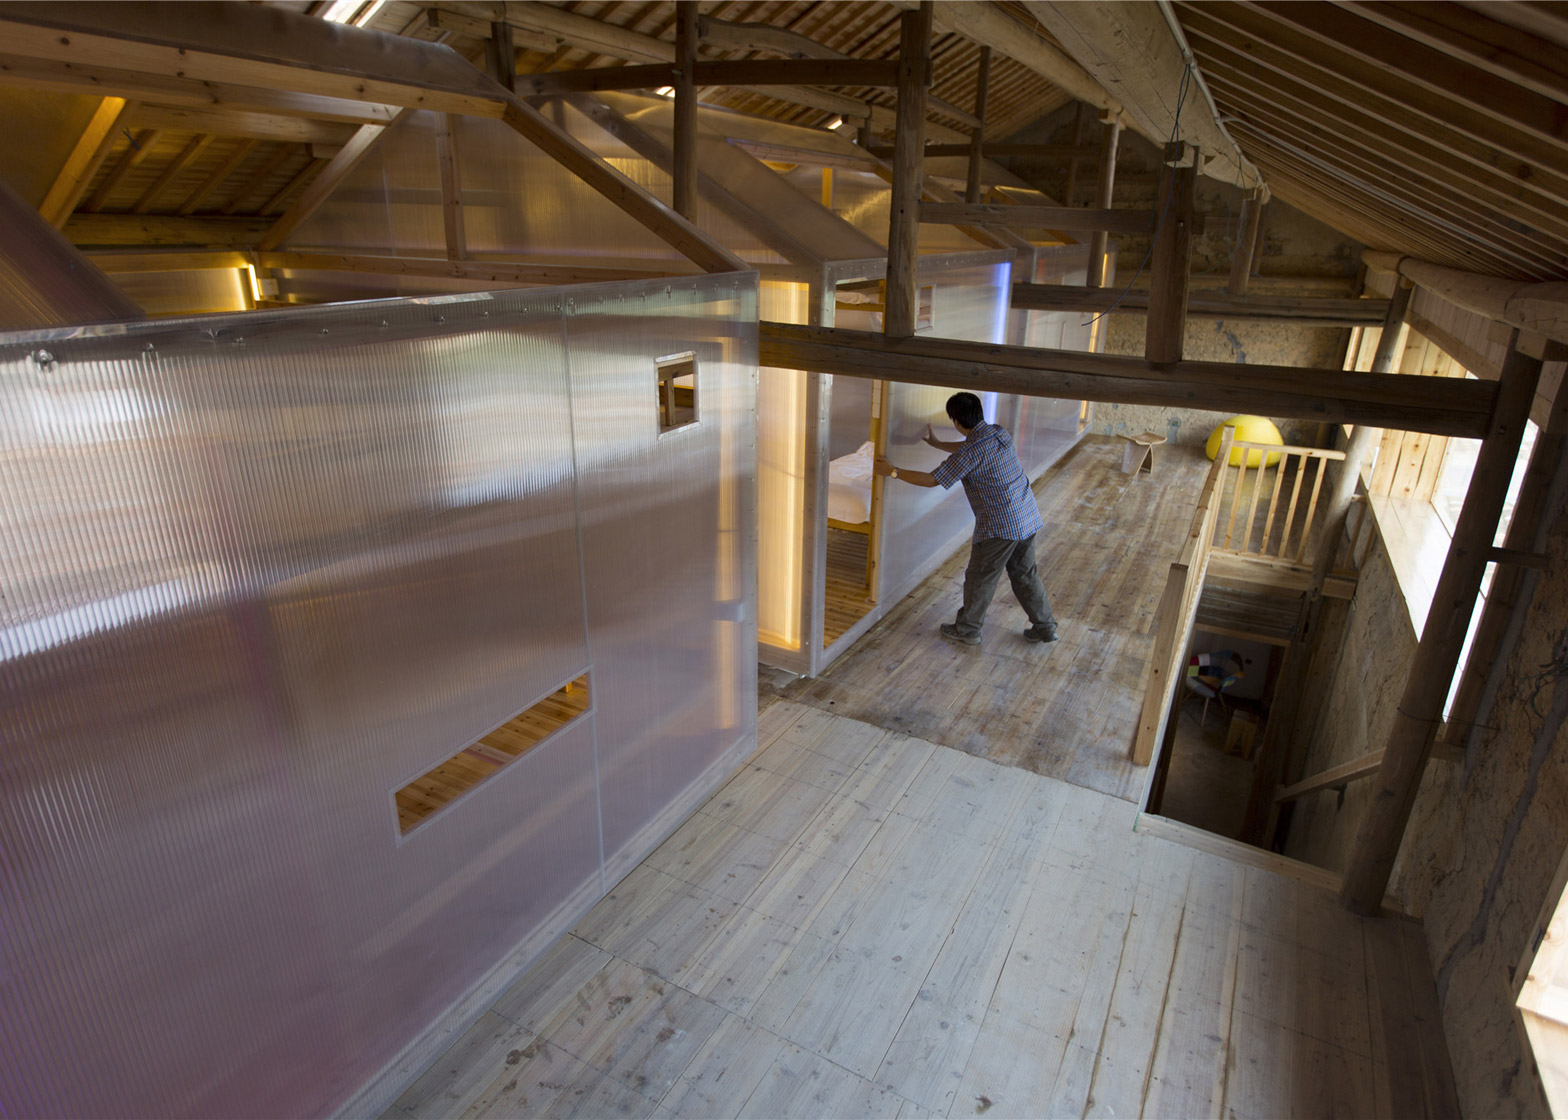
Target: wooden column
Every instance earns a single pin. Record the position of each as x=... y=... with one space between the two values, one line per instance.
x=1103 y=190
x=1281 y=734
x=903 y=236
x=1170 y=261
x=501 y=55
x=1246 y=235
x=685 y=188
x=1420 y=708
x=972 y=192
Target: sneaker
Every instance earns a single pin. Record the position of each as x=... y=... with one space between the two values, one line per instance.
x=950 y=632
x=1040 y=634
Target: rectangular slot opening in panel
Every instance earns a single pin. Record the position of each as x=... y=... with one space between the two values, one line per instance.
x=677 y=387
x=438 y=787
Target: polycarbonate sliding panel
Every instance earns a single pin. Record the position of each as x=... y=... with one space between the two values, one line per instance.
x=260 y=572
x=969 y=299
x=1048 y=427
x=669 y=548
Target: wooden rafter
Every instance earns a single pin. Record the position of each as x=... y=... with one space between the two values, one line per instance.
x=219 y=175
x=92 y=147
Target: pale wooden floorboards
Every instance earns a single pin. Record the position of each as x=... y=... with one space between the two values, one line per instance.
x=1066 y=710
x=861 y=923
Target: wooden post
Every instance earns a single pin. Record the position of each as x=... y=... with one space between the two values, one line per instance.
x=903 y=236
x=1103 y=190
x=501 y=55
x=685 y=188
x=1246 y=235
x=1280 y=736
x=1170 y=260
x=972 y=193
x=1420 y=708
x=1070 y=188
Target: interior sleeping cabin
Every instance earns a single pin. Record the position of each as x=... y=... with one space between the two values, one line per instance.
x=458 y=657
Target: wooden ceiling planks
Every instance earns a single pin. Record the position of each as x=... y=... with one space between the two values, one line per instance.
x=1435 y=130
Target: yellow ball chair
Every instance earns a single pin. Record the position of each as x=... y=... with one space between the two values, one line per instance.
x=1249 y=429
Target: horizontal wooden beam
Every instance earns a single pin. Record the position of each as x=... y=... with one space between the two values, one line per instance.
x=1444 y=406
x=69 y=77
x=1304 y=310
x=650 y=76
x=500 y=272
x=993 y=151
x=1037 y=217
x=757 y=72
x=231 y=122
x=162 y=229
x=120 y=262
x=251 y=45
x=798 y=71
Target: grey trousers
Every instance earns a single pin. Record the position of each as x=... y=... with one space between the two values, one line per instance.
x=987 y=559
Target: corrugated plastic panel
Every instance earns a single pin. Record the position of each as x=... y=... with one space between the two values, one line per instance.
x=922 y=525
x=264 y=570
x=669 y=544
x=865 y=201
x=1045 y=427
x=733 y=235
x=389 y=203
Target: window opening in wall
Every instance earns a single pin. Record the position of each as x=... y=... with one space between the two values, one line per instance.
x=677 y=392
x=925 y=304
x=481 y=760
x=1543 y=1002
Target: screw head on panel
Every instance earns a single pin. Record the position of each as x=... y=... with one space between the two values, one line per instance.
x=43 y=357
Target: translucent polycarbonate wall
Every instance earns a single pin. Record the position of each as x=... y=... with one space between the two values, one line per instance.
x=865 y=201
x=262 y=571
x=1044 y=428
x=517 y=201
x=969 y=300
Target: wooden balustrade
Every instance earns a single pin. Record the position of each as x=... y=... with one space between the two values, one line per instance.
x=1284 y=534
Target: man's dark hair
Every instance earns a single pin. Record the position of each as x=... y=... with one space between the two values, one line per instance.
x=964 y=409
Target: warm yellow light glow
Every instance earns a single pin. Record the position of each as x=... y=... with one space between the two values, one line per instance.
x=255 y=284
x=781 y=479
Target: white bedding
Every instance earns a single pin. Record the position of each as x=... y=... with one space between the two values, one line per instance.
x=849 y=485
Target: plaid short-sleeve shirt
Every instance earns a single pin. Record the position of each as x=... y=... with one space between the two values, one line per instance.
x=995 y=484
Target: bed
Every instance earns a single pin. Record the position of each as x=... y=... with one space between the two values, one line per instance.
x=849 y=489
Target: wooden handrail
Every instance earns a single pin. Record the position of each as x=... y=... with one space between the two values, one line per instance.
x=1178 y=606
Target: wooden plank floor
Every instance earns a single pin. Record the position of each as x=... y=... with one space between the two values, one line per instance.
x=844 y=585
x=1069 y=709
x=865 y=924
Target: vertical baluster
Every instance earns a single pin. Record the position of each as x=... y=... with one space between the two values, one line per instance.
x=1290 y=512
x=1312 y=505
x=1268 y=524
x=1235 y=498
x=1252 y=509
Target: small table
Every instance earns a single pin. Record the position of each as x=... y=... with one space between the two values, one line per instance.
x=1139 y=454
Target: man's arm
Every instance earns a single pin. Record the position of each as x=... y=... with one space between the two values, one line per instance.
x=939 y=444
x=914 y=478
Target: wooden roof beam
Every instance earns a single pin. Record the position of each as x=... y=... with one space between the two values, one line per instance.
x=70 y=77
x=1128 y=46
x=1540 y=308
x=1314 y=311
x=1038 y=217
x=1443 y=406
x=251 y=45
x=91 y=149
x=233 y=122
